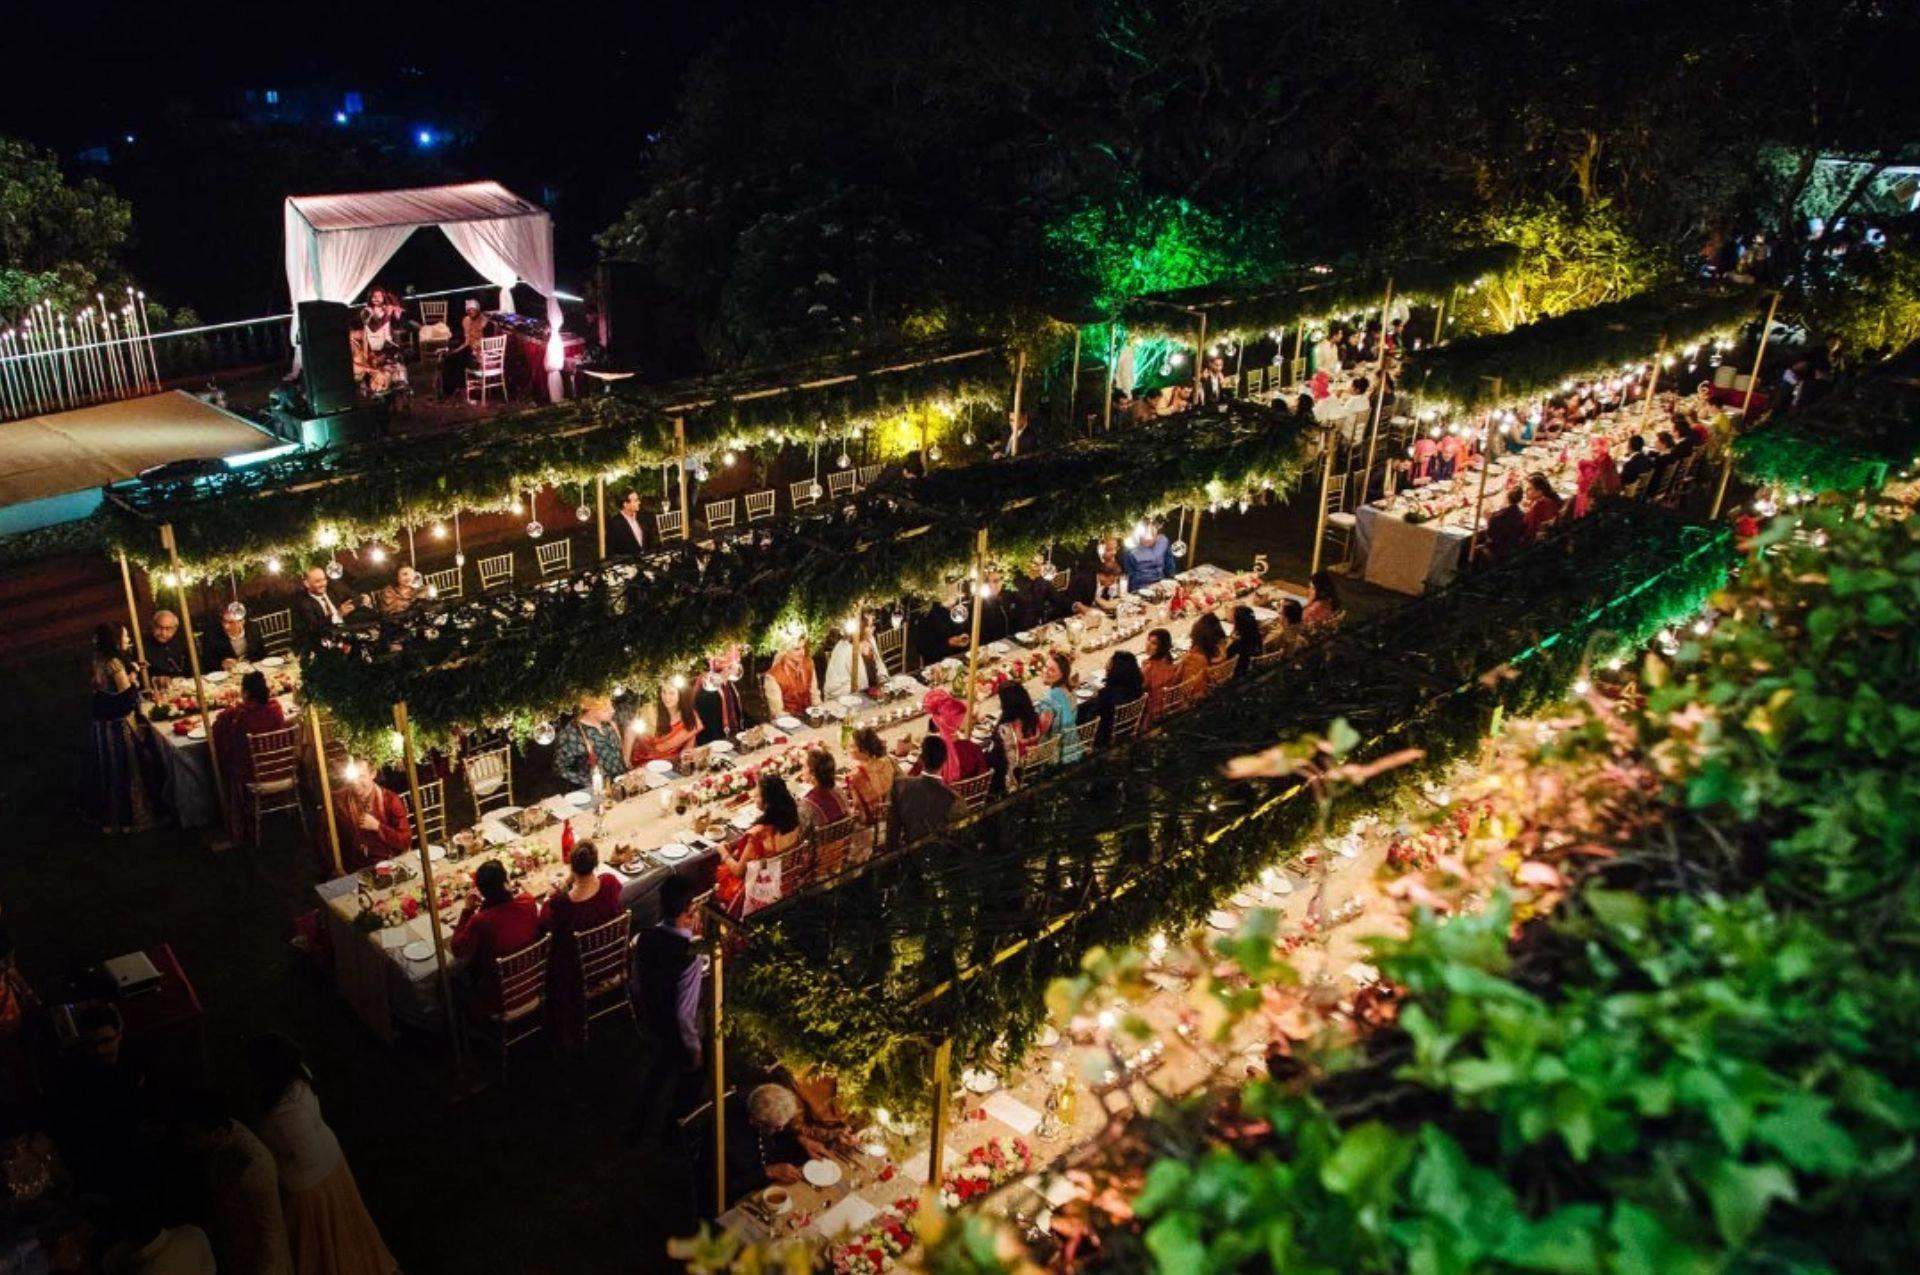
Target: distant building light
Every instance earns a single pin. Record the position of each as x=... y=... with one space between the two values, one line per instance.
x=129 y=139
x=339 y=117
x=273 y=97
x=424 y=137
x=354 y=104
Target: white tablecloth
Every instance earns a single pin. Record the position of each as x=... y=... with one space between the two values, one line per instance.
x=1403 y=556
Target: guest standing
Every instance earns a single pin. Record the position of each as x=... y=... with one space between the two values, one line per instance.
x=328 y=1228
x=666 y=999
x=589 y=897
x=117 y=761
x=245 y=1222
x=922 y=802
x=625 y=538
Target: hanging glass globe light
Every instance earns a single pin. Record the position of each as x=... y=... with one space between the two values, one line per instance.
x=967 y=438
x=1048 y=571
x=815 y=490
x=335 y=570
x=583 y=512
x=237 y=611
x=898 y=619
x=1179 y=549
x=535 y=530
x=844 y=460
x=959 y=613
x=933 y=453
x=459 y=559
x=543 y=734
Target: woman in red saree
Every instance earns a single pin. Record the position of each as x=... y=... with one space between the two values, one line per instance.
x=965 y=758
x=590 y=897
x=1596 y=476
x=257 y=712
x=666 y=727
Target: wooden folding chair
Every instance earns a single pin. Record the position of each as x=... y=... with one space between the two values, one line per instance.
x=720 y=513
x=1126 y=719
x=273 y=783
x=891 y=646
x=446 y=586
x=496 y=572
x=972 y=791
x=1267 y=659
x=841 y=482
x=803 y=493
x=1082 y=746
x=1220 y=672
x=1039 y=759
x=522 y=978
x=432 y=815
x=489 y=775
x=276 y=631
x=555 y=558
x=600 y=956
x=831 y=843
x=489 y=369
x=869 y=475
x=672 y=525
x=760 y=504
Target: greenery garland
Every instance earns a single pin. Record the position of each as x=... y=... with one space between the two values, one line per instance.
x=511 y=659
x=865 y=977
x=347 y=496
x=1244 y=311
x=1537 y=358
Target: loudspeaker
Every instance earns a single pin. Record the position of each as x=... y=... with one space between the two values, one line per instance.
x=326 y=358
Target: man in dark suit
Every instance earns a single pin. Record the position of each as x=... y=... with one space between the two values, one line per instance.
x=624 y=535
x=666 y=999
x=316 y=611
x=1638 y=463
x=1507 y=529
x=167 y=646
x=231 y=642
x=922 y=803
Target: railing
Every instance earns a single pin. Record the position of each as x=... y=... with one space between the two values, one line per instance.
x=54 y=361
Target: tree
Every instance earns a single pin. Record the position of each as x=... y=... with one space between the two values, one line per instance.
x=60 y=242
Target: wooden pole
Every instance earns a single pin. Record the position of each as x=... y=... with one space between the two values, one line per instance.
x=412 y=561
x=1200 y=355
x=979 y=604
x=942 y=1104
x=193 y=661
x=1653 y=382
x=1379 y=398
x=680 y=448
x=1073 y=387
x=718 y=1048
x=1746 y=406
x=1486 y=467
x=1193 y=538
x=326 y=788
x=1299 y=340
x=1327 y=440
x=405 y=730
x=1013 y=417
x=1113 y=360
x=1239 y=364
x=133 y=611
x=1439 y=318
x=600 y=511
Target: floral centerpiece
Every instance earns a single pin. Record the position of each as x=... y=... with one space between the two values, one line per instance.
x=877 y=1246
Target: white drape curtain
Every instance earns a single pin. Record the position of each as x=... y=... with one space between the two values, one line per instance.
x=335 y=259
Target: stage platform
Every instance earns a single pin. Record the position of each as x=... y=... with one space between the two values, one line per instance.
x=53 y=467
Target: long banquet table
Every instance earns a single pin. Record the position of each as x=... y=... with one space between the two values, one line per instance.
x=383 y=962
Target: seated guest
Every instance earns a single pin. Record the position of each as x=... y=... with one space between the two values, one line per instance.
x=790 y=685
x=922 y=802
x=666 y=726
x=1638 y=463
x=775 y=832
x=1682 y=436
x=256 y=713
x=854 y=666
x=624 y=535
x=590 y=740
x=1157 y=672
x=1035 y=602
x=717 y=704
x=1664 y=453
x=936 y=634
x=371 y=820
x=1109 y=579
x=1507 y=529
x=1596 y=477
x=1148 y=560
x=766 y=1142
x=466 y=353
x=396 y=599
x=1018 y=730
x=1124 y=684
x=1247 y=641
x=1545 y=509
x=961 y=758
x=825 y=798
x=316 y=610
x=589 y=898
x=1057 y=708
x=1206 y=643
x=167 y=647
x=1323 y=608
x=497 y=921
x=870 y=781
x=233 y=642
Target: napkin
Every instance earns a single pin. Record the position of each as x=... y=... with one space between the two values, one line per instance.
x=1010 y=1111
x=845 y=1217
x=914 y=1167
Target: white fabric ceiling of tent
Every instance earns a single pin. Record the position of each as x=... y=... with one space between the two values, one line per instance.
x=336 y=244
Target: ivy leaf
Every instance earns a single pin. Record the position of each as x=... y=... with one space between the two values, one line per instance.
x=1644 y=1245
x=1803 y=1135
x=1175 y=1243
x=1166 y=1180
x=1740 y=1194
x=1368 y=1155
x=1565 y=1242
x=1618 y=910
x=1341 y=737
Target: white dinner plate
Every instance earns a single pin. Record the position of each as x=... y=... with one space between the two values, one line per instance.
x=746 y=818
x=418 y=950
x=820 y=1172
x=216 y=676
x=673 y=852
x=660 y=766
x=851 y=701
x=1084 y=692
x=580 y=797
x=436 y=853
x=787 y=723
x=1222 y=920
x=720 y=746
x=198 y=732
x=979 y=1080
x=272 y=661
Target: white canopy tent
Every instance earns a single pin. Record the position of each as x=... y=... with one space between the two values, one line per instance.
x=336 y=244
